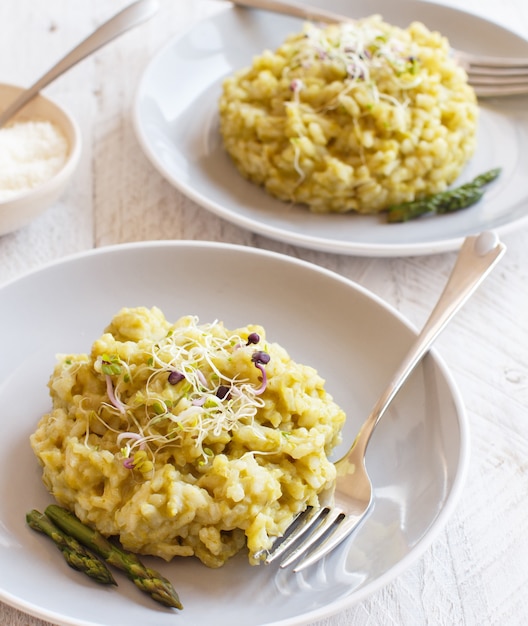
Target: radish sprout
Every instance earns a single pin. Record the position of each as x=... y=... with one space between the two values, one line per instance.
x=260 y=359
x=187 y=388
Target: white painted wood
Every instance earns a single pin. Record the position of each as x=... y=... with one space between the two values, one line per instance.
x=476 y=572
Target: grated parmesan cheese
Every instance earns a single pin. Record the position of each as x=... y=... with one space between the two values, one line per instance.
x=31 y=153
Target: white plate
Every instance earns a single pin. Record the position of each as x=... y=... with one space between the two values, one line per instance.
x=176 y=121
x=418 y=456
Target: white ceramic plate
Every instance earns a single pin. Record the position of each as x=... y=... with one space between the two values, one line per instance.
x=176 y=121
x=417 y=458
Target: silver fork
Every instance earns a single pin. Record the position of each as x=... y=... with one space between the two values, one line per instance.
x=494 y=76
x=316 y=532
x=489 y=76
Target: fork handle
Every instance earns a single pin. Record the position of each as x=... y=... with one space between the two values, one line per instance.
x=477 y=256
x=295 y=9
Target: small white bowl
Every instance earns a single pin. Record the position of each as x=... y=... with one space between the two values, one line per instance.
x=19 y=210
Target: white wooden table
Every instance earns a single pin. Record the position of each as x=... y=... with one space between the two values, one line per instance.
x=476 y=572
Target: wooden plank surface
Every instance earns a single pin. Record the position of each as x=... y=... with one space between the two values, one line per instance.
x=476 y=572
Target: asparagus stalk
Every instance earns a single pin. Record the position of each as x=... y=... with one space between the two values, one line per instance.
x=76 y=555
x=444 y=202
x=146 y=579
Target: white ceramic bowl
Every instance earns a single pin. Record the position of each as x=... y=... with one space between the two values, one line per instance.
x=21 y=209
x=418 y=456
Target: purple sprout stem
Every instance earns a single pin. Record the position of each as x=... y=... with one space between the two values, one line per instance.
x=133 y=436
x=264 y=379
x=128 y=463
x=111 y=395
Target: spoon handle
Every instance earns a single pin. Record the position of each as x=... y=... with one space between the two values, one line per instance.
x=477 y=257
x=295 y=9
x=130 y=16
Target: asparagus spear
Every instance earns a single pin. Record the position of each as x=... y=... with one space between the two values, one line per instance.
x=146 y=579
x=76 y=555
x=444 y=202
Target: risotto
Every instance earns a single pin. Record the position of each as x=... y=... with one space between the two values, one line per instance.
x=186 y=439
x=351 y=117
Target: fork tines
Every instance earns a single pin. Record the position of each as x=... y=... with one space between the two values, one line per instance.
x=313 y=534
x=493 y=87
x=495 y=76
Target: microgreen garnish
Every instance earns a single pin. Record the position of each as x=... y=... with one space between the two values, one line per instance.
x=159 y=408
x=140 y=462
x=253 y=338
x=222 y=392
x=175 y=377
x=364 y=51
x=261 y=358
x=296 y=85
x=191 y=386
x=132 y=440
x=128 y=463
x=132 y=458
x=110 y=364
x=111 y=395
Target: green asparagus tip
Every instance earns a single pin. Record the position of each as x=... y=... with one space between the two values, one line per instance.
x=487 y=177
x=444 y=202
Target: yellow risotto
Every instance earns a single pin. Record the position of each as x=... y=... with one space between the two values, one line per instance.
x=351 y=117
x=187 y=438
